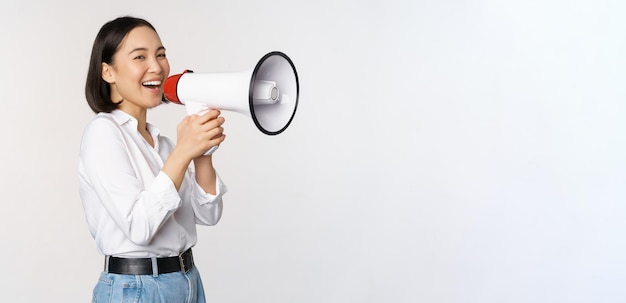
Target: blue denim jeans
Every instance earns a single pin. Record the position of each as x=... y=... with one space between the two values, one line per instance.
x=176 y=287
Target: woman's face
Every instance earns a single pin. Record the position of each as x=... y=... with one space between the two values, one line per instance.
x=138 y=71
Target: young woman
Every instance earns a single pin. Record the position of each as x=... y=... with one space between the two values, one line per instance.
x=143 y=195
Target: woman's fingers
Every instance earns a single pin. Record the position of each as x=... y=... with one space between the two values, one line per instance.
x=201 y=132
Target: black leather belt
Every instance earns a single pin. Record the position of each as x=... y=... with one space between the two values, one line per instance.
x=143 y=266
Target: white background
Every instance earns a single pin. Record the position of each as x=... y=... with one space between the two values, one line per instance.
x=442 y=151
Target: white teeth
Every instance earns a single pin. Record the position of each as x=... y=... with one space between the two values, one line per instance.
x=152 y=83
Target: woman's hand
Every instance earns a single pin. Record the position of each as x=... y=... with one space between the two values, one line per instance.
x=198 y=133
x=195 y=135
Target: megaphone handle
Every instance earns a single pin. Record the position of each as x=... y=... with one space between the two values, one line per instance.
x=196 y=108
x=211 y=150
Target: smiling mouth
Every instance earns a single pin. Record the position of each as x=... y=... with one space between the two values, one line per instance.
x=152 y=84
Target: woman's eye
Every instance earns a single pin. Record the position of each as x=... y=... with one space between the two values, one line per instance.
x=161 y=55
x=140 y=57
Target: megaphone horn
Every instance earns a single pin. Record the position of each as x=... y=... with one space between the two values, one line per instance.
x=268 y=93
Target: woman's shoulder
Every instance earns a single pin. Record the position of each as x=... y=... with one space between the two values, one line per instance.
x=104 y=126
x=101 y=121
x=113 y=119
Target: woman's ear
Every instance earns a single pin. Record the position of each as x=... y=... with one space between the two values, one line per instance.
x=108 y=74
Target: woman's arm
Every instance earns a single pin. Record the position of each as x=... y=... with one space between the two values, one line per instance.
x=112 y=178
x=205 y=174
x=196 y=135
x=207 y=192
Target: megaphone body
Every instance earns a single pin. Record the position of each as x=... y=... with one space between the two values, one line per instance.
x=268 y=93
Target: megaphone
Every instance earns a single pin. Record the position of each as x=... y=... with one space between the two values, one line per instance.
x=268 y=93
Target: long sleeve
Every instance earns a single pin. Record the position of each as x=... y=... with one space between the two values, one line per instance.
x=207 y=207
x=109 y=166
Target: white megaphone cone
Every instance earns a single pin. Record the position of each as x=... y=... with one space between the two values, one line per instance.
x=268 y=93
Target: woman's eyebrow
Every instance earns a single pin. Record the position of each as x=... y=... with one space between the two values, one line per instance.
x=145 y=49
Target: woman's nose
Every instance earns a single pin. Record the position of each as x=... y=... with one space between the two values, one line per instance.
x=155 y=65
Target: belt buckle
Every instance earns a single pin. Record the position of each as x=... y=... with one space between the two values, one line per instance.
x=182 y=263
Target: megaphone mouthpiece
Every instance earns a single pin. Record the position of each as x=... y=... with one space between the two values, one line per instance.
x=170 y=87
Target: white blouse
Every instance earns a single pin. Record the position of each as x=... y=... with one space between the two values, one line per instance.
x=132 y=208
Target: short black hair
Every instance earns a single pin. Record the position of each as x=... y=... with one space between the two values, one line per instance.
x=108 y=40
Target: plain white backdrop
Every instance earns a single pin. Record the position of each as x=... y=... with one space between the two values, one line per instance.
x=443 y=151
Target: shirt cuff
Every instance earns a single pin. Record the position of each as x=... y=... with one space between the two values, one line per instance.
x=204 y=197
